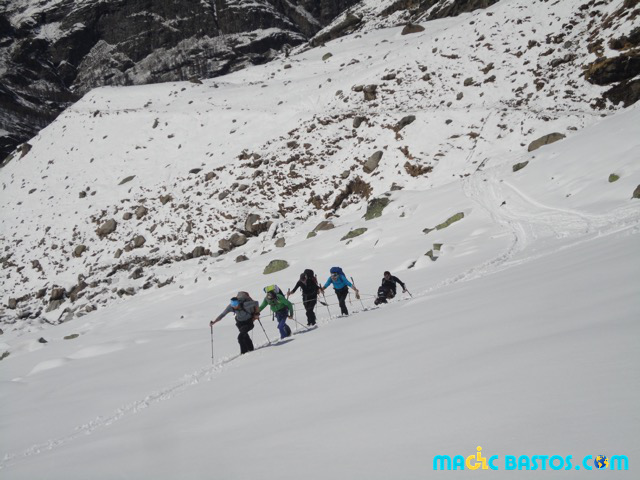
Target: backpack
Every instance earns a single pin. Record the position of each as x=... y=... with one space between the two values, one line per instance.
x=272 y=288
x=248 y=307
x=337 y=270
x=243 y=296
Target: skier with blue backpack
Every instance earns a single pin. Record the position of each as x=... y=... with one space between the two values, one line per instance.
x=341 y=285
x=280 y=306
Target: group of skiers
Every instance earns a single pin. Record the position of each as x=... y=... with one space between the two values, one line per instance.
x=247 y=310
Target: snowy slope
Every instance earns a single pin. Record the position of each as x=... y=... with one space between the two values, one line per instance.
x=288 y=134
x=517 y=338
x=520 y=337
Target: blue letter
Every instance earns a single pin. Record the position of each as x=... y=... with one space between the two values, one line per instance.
x=568 y=460
x=441 y=459
x=491 y=465
x=556 y=457
x=458 y=461
x=544 y=461
x=509 y=462
x=620 y=459
x=523 y=462
x=585 y=462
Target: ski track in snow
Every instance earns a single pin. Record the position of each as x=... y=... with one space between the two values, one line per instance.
x=527 y=222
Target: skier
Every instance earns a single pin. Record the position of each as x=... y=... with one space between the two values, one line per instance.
x=387 y=290
x=280 y=306
x=341 y=286
x=310 y=288
x=246 y=311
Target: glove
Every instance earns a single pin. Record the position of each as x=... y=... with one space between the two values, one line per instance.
x=211 y=323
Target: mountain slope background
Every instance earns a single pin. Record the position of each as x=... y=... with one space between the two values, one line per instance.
x=415 y=147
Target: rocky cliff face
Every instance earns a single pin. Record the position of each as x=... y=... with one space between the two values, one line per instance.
x=54 y=51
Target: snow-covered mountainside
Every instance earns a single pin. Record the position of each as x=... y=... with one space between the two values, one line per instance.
x=54 y=51
x=127 y=179
x=470 y=156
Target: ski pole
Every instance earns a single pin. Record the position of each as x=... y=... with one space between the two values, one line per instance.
x=326 y=304
x=265 y=332
x=211 y=344
x=409 y=292
x=325 y=298
x=302 y=325
x=295 y=316
x=357 y=294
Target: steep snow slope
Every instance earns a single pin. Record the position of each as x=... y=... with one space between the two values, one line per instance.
x=282 y=144
x=519 y=338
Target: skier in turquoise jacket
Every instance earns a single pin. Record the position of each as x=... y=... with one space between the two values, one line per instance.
x=341 y=286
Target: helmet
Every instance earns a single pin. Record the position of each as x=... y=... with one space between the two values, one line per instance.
x=234 y=302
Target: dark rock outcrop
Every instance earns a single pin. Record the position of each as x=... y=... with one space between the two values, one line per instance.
x=126 y=42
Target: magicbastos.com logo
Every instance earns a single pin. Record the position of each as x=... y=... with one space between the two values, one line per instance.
x=477 y=461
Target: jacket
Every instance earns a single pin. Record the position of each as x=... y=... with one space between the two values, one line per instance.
x=338 y=284
x=245 y=313
x=278 y=304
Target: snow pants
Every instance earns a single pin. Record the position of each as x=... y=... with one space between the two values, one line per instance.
x=246 y=345
x=342 y=296
x=309 y=306
x=281 y=317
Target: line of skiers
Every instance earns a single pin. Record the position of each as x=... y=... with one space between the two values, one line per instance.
x=247 y=310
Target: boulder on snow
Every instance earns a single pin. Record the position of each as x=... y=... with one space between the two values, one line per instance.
x=408 y=120
x=141 y=212
x=164 y=199
x=238 y=239
x=12 y=304
x=636 y=192
x=372 y=163
x=241 y=258
x=79 y=250
x=138 y=241
x=545 y=140
x=354 y=233
x=520 y=166
x=106 y=228
x=324 y=225
x=327 y=56
x=357 y=121
x=370 y=92
x=280 y=242
x=127 y=179
x=613 y=178
x=225 y=245
x=253 y=225
x=452 y=219
x=410 y=28
x=57 y=293
x=199 y=252
x=375 y=208
x=275 y=266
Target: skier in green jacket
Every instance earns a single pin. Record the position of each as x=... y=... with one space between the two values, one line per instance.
x=282 y=308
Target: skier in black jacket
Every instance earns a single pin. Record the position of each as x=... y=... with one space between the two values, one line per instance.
x=387 y=290
x=309 y=287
